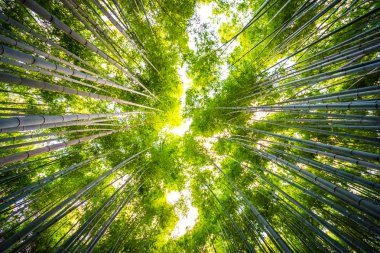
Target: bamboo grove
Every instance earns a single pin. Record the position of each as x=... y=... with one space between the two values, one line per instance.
x=282 y=148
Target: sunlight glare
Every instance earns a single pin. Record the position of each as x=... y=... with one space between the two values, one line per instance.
x=186 y=221
x=181 y=129
x=172 y=197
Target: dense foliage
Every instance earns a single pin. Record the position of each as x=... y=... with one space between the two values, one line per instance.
x=189 y=126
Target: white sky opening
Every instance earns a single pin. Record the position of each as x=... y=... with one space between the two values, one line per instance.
x=186 y=82
x=172 y=197
x=203 y=15
x=203 y=12
x=186 y=221
x=181 y=129
x=186 y=122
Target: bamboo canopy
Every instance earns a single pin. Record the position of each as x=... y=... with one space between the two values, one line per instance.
x=189 y=126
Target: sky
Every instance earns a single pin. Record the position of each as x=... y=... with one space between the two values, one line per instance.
x=204 y=13
x=186 y=122
x=186 y=221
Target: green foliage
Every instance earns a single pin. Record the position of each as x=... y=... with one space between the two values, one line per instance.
x=282 y=153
